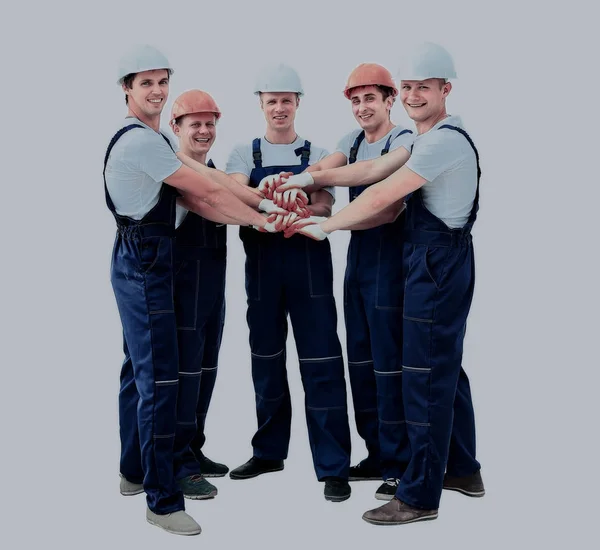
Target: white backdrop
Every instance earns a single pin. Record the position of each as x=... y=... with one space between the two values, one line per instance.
x=527 y=98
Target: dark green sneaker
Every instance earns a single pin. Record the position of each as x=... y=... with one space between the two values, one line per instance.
x=210 y=468
x=195 y=487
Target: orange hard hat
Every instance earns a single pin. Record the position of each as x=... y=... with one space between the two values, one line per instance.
x=194 y=101
x=370 y=74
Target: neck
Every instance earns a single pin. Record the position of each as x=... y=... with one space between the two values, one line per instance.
x=375 y=135
x=281 y=137
x=199 y=157
x=153 y=122
x=426 y=125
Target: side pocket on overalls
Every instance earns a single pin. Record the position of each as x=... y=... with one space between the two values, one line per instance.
x=436 y=263
x=150 y=252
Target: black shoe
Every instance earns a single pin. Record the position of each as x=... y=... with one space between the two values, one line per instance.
x=472 y=485
x=387 y=491
x=255 y=467
x=336 y=489
x=365 y=470
x=210 y=468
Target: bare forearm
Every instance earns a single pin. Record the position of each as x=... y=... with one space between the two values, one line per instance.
x=321 y=204
x=242 y=192
x=194 y=204
x=364 y=172
x=389 y=215
x=225 y=202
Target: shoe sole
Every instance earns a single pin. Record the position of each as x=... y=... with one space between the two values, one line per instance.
x=379 y=522
x=473 y=494
x=238 y=476
x=172 y=531
x=132 y=493
x=380 y=496
x=215 y=475
x=378 y=478
x=337 y=499
x=212 y=494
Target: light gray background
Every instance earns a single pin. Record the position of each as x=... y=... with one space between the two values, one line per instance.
x=527 y=93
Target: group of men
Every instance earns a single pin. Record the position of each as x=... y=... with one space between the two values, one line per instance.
x=407 y=290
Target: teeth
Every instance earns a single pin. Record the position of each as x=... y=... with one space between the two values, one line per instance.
x=155 y=100
x=202 y=140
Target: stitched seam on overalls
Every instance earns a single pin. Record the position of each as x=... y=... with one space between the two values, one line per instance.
x=209 y=368
x=360 y=362
x=387 y=373
x=163 y=436
x=185 y=373
x=391 y=421
x=159 y=311
x=319 y=359
x=365 y=410
x=417 y=319
x=424 y=424
x=268 y=356
x=324 y=408
x=157 y=255
x=166 y=382
x=417 y=369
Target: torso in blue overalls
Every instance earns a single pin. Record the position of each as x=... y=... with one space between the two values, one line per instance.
x=142 y=280
x=295 y=276
x=373 y=297
x=440 y=276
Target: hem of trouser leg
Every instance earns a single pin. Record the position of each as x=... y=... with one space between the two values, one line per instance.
x=169 y=509
x=265 y=457
x=452 y=473
x=136 y=480
x=414 y=504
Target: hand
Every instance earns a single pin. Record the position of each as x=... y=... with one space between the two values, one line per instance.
x=290 y=199
x=308 y=227
x=269 y=226
x=269 y=183
x=269 y=207
x=295 y=181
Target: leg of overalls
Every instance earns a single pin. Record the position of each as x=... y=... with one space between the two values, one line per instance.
x=439 y=290
x=360 y=359
x=131 y=457
x=309 y=294
x=462 y=452
x=382 y=288
x=144 y=293
x=212 y=343
x=267 y=321
x=189 y=302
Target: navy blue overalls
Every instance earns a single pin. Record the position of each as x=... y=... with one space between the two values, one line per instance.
x=295 y=276
x=200 y=260
x=373 y=297
x=440 y=276
x=142 y=280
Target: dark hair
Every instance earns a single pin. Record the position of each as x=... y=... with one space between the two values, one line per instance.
x=386 y=91
x=128 y=83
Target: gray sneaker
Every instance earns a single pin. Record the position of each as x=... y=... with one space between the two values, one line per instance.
x=472 y=485
x=397 y=512
x=128 y=488
x=178 y=523
x=196 y=487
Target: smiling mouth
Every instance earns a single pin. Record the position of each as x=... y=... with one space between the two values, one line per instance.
x=365 y=117
x=415 y=105
x=280 y=117
x=201 y=140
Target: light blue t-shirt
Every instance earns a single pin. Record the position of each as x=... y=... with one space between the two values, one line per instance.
x=447 y=161
x=241 y=160
x=368 y=151
x=138 y=164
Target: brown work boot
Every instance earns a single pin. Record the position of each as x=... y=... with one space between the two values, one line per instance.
x=472 y=485
x=396 y=512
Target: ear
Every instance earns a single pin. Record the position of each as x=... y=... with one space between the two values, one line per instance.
x=447 y=88
x=297 y=101
x=125 y=89
x=174 y=127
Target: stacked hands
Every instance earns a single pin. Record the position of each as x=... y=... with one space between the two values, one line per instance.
x=286 y=206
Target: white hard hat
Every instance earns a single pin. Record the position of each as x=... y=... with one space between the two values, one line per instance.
x=425 y=61
x=140 y=59
x=280 y=78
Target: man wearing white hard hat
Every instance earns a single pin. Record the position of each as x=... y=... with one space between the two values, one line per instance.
x=373 y=287
x=441 y=177
x=294 y=277
x=143 y=177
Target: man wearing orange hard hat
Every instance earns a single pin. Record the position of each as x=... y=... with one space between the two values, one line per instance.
x=199 y=291
x=373 y=289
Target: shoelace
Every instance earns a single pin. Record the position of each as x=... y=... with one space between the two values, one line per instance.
x=392 y=481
